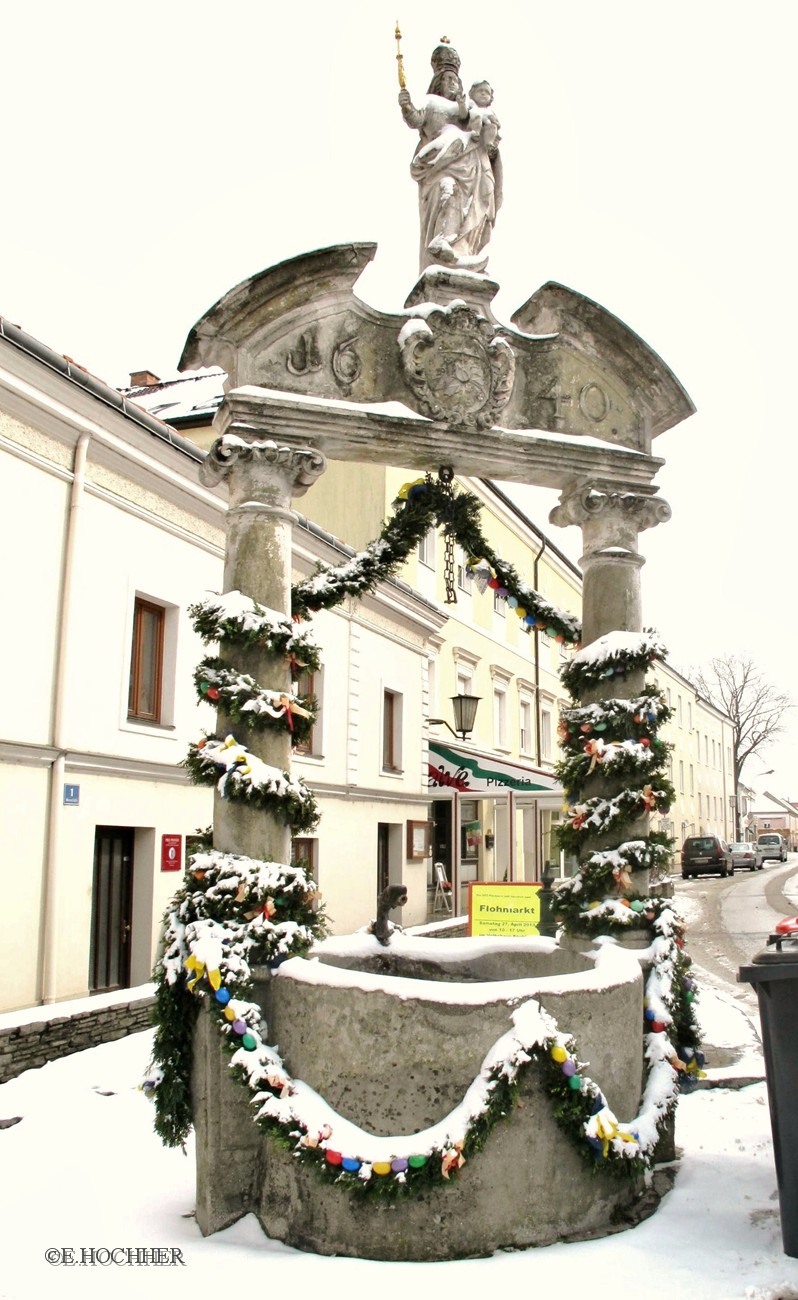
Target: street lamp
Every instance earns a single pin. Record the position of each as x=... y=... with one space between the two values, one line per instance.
x=768 y=772
x=465 y=712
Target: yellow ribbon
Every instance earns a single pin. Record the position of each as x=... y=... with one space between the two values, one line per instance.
x=193 y=963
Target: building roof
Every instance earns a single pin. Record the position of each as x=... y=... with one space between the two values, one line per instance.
x=82 y=378
x=192 y=399
x=777 y=805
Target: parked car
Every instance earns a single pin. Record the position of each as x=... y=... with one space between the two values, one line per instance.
x=744 y=854
x=702 y=853
x=773 y=847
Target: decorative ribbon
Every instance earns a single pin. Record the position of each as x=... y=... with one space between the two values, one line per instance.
x=268 y=910
x=193 y=963
x=622 y=878
x=649 y=799
x=453 y=1158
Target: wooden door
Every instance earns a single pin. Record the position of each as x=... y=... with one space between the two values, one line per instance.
x=111 y=909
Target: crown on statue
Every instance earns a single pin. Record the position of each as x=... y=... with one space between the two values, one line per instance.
x=445 y=56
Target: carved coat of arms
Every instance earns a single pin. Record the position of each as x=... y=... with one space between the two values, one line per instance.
x=461 y=370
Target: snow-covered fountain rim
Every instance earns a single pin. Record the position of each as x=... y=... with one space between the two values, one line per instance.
x=608 y=967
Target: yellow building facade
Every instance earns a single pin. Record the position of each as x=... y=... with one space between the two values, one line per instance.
x=493 y=796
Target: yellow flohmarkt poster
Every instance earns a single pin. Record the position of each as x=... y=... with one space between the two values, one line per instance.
x=511 y=909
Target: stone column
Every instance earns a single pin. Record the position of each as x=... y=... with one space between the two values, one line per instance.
x=611 y=518
x=262 y=478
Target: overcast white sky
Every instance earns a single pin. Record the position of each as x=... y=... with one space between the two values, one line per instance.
x=157 y=153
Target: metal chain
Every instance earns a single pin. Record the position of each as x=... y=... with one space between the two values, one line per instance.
x=445 y=478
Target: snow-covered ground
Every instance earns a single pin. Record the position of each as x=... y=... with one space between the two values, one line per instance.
x=83 y=1169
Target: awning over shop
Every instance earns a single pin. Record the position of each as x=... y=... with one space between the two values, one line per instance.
x=460 y=769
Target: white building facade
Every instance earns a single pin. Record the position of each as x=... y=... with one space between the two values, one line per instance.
x=111 y=539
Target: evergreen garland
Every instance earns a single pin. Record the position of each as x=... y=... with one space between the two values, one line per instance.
x=618 y=739
x=244 y=701
x=239 y=620
x=239 y=774
x=599 y=815
x=616 y=655
x=258 y=913
x=233 y=913
x=421 y=505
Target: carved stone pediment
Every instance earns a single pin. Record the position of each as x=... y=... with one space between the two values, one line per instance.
x=569 y=367
x=461 y=370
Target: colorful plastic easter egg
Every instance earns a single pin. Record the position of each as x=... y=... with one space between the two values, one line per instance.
x=250 y=1042
x=222 y=996
x=333 y=1157
x=559 y=1054
x=417 y=1162
x=382 y=1167
x=351 y=1166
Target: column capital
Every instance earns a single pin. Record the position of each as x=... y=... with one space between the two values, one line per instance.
x=612 y=505
x=263 y=463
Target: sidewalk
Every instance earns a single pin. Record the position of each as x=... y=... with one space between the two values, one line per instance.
x=732 y=1035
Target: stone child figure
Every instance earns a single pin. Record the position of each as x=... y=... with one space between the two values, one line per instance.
x=455 y=164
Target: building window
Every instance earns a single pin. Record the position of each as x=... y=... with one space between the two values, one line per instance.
x=465 y=576
x=545 y=733
x=465 y=684
x=499 y=719
x=146 y=662
x=304 y=852
x=308 y=686
x=525 y=726
x=689 y=716
x=426 y=548
x=679 y=709
x=700 y=809
x=499 y=603
x=391 y=731
x=681 y=776
x=691 y=779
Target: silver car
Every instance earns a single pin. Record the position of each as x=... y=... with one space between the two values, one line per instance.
x=745 y=854
x=773 y=846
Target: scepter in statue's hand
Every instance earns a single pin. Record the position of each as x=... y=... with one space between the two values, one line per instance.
x=409 y=113
x=400 y=68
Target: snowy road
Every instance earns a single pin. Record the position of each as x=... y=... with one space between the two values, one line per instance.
x=728 y=921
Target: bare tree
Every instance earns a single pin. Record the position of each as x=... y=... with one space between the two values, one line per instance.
x=755 y=706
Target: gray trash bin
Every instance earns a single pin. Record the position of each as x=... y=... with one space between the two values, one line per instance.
x=774 y=975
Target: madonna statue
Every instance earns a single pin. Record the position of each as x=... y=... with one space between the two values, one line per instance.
x=456 y=165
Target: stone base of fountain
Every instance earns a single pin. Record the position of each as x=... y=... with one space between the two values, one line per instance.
x=392 y=1038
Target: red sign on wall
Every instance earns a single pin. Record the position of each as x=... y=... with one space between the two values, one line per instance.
x=171 y=853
